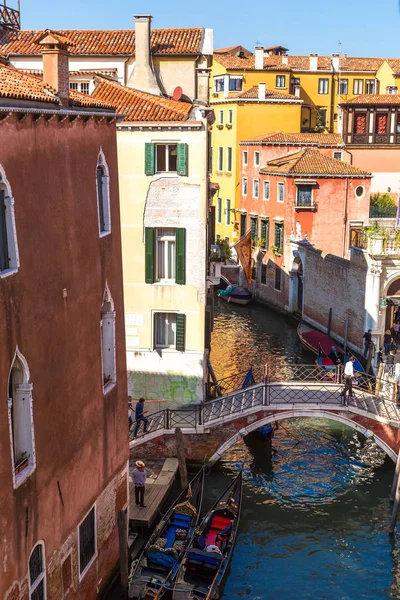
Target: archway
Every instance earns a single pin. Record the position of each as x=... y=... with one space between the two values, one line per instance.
x=320 y=414
x=296 y=286
x=393 y=301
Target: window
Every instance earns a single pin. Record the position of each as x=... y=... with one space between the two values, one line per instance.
x=9 y=258
x=321 y=116
x=230 y=116
x=266 y=190
x=229 y=160
x=245 y=157
x=219 y=84
x=221 y=117
x=357 y=236
x=220 y=158
x=359 y=191
x=392 y=89
x=85 y=87
x=278 y=242
x=107 y=329
x=264 y=233
x=358 y=86
x=264 y=274
x=219 y=210
x=235 y=84
x=165 y=254
x=295 y=86
x=323 y=86
x=82 y=87
x=228 y=212
x=343 y=87
x=243 y=225
x=37 y=573
x=256 y=159
x=103 y=195
x=166 y=158
x=255 y=188
x=87 y=541
x=277 y=282
x=20 y=418
x=169 y=331
x=280 y=81
x=370 y=86
x=281 y=191
x=338 y=155
x=360 y=123
x=381 y=123
x=254 y=229
x=73 y=85
x=244 y=186
x=304 y=195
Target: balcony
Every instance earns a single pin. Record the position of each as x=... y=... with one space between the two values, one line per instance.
x=9 y=17
x=382 y=212
x=385 y=242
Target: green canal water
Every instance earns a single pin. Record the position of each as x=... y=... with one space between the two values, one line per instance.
x=315 y=514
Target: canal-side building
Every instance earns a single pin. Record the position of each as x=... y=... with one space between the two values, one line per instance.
x=63 y=425
x=165 y=207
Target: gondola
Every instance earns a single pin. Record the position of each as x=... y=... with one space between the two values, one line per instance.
x=160 y=559
x=207 y=557
x=315 y=341
x=233 y=293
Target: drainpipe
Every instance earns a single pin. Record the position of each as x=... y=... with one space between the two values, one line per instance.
x=345 y=217
x=332 y=99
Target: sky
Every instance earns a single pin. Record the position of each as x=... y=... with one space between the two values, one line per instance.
x=312 y=26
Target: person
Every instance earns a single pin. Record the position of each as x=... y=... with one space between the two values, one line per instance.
x=223 y=536
x=139 y=481
x=333 y=355
x=390 y=358
x=367 y=337
x=386 y=341
x=213 y=548
x=379 y=357
x=130 y=412
x=398 y=390
x=348 y=379
x=140 y=418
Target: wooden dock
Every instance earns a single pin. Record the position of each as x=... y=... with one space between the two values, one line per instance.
x=156 y=492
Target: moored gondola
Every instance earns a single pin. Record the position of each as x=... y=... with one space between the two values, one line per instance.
x=207 y=557
x=160 y=559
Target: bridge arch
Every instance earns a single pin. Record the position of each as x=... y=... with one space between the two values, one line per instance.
x=316 y=414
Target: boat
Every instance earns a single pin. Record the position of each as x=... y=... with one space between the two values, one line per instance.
x=207 y=557
x=233 y=293
x=160 y=559
x=315 y=341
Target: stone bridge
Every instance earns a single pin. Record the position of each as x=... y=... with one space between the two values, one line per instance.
x=210 y=429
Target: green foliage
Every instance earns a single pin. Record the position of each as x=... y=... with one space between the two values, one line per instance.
x=382 y=200
x=226 y=252
x=319 y=122
x=261 y=244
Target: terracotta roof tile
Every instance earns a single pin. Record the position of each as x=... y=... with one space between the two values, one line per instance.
x=78 y=99
x=233 y=50
x=312 y=139
x=18 y=85
x=50 y=36
x=98 y=42
x=252 y=93
x=394 y=63
x=374 y=99
x=312 y=162
x=140 y=106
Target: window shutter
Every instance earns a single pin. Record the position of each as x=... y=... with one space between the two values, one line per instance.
x=180 y=332
x=180 y=256
x=149 y=158
x=4 y=259
x=182 y=168
x=149 y=241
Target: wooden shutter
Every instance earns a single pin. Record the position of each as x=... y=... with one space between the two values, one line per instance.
x=4 y=258
x=180 y=256
x=149 y=158
x=279 y=235
x=180 y=332
x=149 y=240
x=182 y=167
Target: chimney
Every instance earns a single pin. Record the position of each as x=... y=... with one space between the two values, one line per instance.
x=335 y=62
x=261 y=91
x=143 y=77
x=313 y=62
x=259 y=58
x=54 y=49
x=285 y=59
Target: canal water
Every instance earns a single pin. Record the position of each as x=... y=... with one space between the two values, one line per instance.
x=315 y=511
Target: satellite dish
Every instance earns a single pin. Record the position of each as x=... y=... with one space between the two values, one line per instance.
x=177 y=95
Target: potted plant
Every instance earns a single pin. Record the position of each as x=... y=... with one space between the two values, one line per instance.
x=21 y=462
x=228 y=125
x=276 y=251
x=220 y=126
x=261 y=244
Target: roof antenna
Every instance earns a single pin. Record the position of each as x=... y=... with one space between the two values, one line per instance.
x=340 y=47
x=257 y=43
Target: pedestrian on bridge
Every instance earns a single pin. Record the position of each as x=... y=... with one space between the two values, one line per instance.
x=140 y=418
x=348 y=381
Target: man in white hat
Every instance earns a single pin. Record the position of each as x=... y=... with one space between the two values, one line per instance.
x=139 y=481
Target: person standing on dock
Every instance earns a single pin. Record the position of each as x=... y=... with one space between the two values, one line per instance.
x=367 y=341
x=348 y=380
x=139 y=481
x=140 y=418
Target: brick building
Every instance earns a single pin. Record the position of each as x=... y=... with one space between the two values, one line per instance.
x=63 y=425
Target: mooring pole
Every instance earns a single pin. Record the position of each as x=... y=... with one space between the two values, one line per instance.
x=396 y=499
x=329 y=321
x=346 y=329
x=123 y=552
x=395 y=478
x=180 y=451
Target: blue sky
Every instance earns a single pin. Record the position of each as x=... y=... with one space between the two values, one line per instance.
x=365 y=28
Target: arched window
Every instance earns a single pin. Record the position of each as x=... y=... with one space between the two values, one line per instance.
x=9 y=259
x=103 y=195
x=107 y=328
x=20 y=418
x=37 y=573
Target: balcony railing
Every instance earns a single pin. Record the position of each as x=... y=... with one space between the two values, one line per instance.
x=382 y=212
x=9 y=17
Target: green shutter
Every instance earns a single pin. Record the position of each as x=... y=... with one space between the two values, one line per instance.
x=149 y=159
x=180 y=332
x=149 y=241
x=182 y=167
x=180 y=256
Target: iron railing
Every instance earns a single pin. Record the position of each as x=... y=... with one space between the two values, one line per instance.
x=232 y=383
x=9 y=17
x=382 y=212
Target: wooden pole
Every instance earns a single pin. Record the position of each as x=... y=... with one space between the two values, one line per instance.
x=180 y=450
x=329 y=321
x=395 y=509
x=123 y=552
x=395 y=479
x=346 y=329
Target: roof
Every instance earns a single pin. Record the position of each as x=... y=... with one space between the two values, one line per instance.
x=233 y=50
x=374 y=99
x=275 y=48
x=312 y=162
x=315 y=139
x=252 y=93
x=108 y=42
x=52 y=37
x=140 y=106
x=22 y=86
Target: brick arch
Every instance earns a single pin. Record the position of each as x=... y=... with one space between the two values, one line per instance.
x=385 y=445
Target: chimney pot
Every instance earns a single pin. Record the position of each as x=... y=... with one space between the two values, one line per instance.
x=259 y=58
x=54 y=49
x=313 y=62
